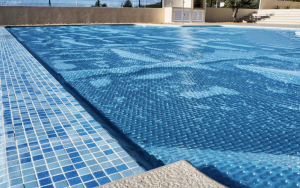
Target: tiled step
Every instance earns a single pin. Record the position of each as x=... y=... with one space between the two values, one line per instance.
x=274 y=16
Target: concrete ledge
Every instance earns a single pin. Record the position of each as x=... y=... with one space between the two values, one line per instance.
x=179 y=174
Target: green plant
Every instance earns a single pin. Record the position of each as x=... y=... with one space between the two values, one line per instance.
x=288 y=7
x=104 y=5
x=277 y=7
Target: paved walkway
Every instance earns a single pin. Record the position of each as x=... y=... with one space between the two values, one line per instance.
x=46 y=138
x=231 y=24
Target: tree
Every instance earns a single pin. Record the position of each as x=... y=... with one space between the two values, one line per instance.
x=127 y=3
x=235 y=5
x=97 y=4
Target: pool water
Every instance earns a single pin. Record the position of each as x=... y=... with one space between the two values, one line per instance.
x=226 y=99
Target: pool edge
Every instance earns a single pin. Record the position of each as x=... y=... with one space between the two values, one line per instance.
x=142 y=157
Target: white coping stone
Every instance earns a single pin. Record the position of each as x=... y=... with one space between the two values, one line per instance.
x=178 y=174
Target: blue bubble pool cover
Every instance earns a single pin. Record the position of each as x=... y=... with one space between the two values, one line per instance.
x=226 y=99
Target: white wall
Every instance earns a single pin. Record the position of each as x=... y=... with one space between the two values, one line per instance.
x=168 y=15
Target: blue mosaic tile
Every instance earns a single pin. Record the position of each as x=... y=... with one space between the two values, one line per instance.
x=108 y=152
x=58 y=178
x=71 y=174
x=127 y=173
x=104 y=180
x=91 y=184
x=83 y=171
x=121 y=167
x=16 y=181
x=110 y=170
x=42 y=126
x=87 y=177
x=62 y=184
x=4 y=185
x=29 y=178
x=43 y=174
x=95 y=168
x=74 y=181
x=48 y=186
x=99 y=174
x=45 y=181
x=31 y=184
x=137 y=170
x=115 y=177
x=78 y=186
x=80 y=165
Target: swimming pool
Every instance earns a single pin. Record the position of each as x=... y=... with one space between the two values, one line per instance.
x=226 y=99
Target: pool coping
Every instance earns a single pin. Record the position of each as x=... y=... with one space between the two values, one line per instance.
x=178 y=174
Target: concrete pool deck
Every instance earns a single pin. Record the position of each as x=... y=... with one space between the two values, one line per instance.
x=175 y=175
